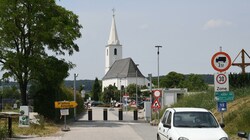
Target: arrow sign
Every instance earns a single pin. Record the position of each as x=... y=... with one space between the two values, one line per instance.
x=65 y=104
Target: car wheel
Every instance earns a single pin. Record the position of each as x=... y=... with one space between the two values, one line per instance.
x=158 y=137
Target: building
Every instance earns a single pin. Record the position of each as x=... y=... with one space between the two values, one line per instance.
x=120 y=71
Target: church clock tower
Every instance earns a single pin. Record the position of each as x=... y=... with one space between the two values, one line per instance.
x=113 y=50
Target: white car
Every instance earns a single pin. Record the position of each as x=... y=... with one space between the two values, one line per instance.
x=190 y=124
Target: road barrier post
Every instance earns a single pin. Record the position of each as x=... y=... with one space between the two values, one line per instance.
x=105 y=114
x=90 y=114
x=135 y=114
x=120 y=114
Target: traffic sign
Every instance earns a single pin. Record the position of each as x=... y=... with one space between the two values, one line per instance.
x=224 y=96
x=157 y=93
x=65 y=104
x=156 y=105
x=221 y=61
x=221 y=82
x=222 y=106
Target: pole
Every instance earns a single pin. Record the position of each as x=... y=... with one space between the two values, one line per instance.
x=136 y=88
x=158 y=53
x=150 y=88
x=75 y=75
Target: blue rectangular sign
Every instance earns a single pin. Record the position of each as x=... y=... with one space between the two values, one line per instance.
x=222 y=106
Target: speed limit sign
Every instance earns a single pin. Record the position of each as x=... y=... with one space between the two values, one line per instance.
x=221 y=82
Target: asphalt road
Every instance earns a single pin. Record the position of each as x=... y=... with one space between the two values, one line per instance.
x=112 y=129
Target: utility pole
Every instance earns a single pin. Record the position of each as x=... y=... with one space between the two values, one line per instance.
x=75 y=75
x=158 y=53
x=243 y=63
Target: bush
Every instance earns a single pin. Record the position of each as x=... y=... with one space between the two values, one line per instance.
x=3 y=132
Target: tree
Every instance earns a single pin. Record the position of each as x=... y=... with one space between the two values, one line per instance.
x=109 y=92
x=46 y=85
x=172 y=80
x=96 y=90
x=194 y=82
x=27 y=29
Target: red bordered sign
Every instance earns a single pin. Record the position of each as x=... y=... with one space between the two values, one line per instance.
x=221 y=61
x=157 y=93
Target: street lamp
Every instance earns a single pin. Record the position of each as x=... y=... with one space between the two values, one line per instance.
x=75 y=75
x=136 y=95
x=158 y=52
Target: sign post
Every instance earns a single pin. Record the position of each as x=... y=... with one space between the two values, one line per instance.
x=64 y=106
x=221 y=62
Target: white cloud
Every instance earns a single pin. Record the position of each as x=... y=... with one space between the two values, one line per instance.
x=216 y=23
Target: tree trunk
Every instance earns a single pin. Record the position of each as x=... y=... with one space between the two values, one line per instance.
x=23 y=89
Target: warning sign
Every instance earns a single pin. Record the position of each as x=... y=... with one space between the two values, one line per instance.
x=156 y=105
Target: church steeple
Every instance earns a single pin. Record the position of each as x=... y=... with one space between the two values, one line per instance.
x=113 y=36
x=113 y=50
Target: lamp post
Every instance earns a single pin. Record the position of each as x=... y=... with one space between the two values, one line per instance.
x=75 y=75
x=136 y=95
x=158 y=52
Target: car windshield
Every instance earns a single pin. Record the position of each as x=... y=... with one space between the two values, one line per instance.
x=195 y=120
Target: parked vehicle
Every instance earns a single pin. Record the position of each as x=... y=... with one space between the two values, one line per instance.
x=190 y=124
x=244 y=135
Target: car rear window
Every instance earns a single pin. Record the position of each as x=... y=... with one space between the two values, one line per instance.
x=195 y=120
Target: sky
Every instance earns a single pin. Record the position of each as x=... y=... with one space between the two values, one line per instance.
x=189 y=31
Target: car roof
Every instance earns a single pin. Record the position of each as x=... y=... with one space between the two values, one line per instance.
x=189 y=109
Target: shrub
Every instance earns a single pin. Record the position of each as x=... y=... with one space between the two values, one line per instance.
x=3 y=132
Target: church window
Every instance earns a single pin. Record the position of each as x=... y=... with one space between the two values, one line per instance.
x=107 y=52
x=115 y=51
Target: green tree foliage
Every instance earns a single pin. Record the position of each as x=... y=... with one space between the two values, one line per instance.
x=172 y=80
x=194 y=82
x=27 y=29
x=96 y=90
x=46 y=87
x=10 y=92
x=131 y=90
x=239 y=80
x=110 y=92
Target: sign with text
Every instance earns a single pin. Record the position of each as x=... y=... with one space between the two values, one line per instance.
x=221 y=82
x=65 y=104
x=222 y=106
x=224 y=96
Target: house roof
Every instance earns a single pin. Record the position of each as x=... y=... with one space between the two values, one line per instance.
x=123 y=68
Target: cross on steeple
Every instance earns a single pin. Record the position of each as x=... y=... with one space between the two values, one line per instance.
x=113 y=11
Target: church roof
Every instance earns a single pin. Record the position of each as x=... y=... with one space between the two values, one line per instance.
x=123 y=68
x=113 y=36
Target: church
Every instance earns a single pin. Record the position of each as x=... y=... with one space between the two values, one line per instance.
x=120 y=71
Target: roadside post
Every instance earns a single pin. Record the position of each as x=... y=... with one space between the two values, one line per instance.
x=64 y=110
x=221 y=62
x=156 y=103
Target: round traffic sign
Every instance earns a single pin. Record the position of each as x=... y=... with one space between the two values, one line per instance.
x=157 y=93
x=221 y=61
x=221 y=78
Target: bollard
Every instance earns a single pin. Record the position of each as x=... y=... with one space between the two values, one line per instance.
x=120 y=114
x=135 y=114
x=90 y=114
x=105 y=114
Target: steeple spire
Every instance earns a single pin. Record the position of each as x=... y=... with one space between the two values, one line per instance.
x=113 y=36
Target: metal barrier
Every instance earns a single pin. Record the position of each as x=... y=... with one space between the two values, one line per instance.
x=135 y=114
x=120 y=114
x=105 y=114
x=90 y=114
